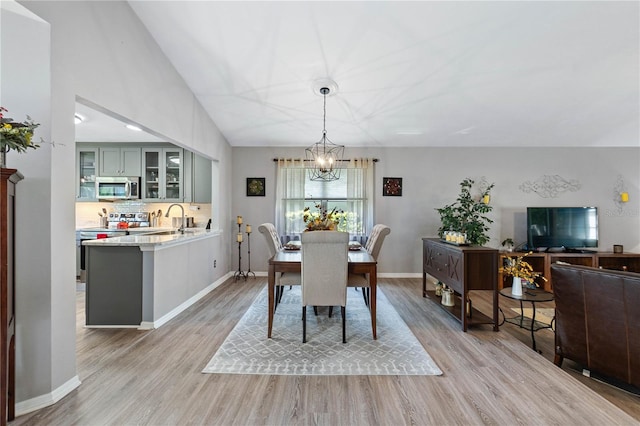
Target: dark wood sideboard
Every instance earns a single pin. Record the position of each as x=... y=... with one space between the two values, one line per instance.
x=7 y=294
x=462 y=268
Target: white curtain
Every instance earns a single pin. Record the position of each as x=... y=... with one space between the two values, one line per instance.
x=289 y=195
x=360 y=192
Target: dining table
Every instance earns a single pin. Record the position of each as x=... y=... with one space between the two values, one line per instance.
x=360 y=262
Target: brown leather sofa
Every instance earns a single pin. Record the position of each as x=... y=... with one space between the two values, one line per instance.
x=598 y=320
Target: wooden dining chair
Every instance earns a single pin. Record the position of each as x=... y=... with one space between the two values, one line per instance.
x=373 y=246
x=325 y=259
x=273 y=243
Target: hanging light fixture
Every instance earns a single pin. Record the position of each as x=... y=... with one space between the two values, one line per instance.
x=324 y=155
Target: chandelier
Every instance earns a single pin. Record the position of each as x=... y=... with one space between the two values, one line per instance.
x=324 y=155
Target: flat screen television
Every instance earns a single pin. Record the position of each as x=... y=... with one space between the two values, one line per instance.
x=562 y=227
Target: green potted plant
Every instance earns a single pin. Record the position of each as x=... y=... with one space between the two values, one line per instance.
x=467 y=215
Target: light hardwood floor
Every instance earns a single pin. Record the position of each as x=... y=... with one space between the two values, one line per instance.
x=153 y=377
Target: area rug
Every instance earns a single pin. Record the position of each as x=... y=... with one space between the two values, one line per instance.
x=247 y=350
x=544 y=315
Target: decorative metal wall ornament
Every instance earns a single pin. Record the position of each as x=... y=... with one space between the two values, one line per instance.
x=550 y=186
x=618 y=190
x=324 y=154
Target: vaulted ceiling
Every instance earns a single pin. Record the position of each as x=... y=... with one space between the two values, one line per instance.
x=408 y=73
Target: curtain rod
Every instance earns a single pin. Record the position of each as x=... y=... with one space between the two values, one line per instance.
x=375 y=160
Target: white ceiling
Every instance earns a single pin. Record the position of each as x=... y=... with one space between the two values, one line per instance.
x=409 y=73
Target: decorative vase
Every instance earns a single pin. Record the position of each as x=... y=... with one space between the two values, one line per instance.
x=516 y=286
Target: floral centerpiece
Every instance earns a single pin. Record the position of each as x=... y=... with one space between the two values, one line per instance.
x=519 y=268
x=15 y=135
x=322 y=220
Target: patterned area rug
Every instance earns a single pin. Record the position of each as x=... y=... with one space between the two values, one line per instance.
x=247 y=350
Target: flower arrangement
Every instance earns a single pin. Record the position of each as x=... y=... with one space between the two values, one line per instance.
x=16 y=136
x=518 y=267
x=322 y=220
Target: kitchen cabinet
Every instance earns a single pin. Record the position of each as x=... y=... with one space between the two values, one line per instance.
x=197 y=178
x=86 y=171
x=162 y=177
x=120 y=161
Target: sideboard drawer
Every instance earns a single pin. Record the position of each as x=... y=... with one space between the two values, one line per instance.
x=445 y=265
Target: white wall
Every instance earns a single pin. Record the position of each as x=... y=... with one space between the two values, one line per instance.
x=431 y=178
x=100 y=52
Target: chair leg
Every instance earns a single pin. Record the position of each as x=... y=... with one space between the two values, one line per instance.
x=277 y=298
x=344 y=324
x=281 y=293
x=366 y=290
x=364 y=297
x=304 y=324
x=315 y=310
x=330 y=311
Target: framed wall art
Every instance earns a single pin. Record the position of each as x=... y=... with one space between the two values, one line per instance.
x=392 y=187
x=255 y=187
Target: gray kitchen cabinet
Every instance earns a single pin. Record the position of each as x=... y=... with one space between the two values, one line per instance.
x=120 y=161
x=86 y=171
x=197 y=182
x=162 y=177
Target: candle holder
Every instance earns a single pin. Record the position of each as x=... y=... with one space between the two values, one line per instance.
x=249 y=271
x=239 y=274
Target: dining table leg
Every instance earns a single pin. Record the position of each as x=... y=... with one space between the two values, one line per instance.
x=373 y=283
x=272 y=285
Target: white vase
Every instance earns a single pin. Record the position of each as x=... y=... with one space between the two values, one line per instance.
x=516 y=286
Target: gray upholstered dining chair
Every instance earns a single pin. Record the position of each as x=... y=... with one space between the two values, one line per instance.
x=274 y=245
x=325 y=259
x=373 y=246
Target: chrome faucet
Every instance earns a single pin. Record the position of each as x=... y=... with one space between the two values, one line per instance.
x=181 y=229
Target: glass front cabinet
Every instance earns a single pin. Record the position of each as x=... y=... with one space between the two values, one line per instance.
x=86 y=170
x=162 y=178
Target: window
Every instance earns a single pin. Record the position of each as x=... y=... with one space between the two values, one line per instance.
x=350 y=194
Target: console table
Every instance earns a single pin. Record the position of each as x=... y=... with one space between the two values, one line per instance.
x=462 y=268
x=8 y=180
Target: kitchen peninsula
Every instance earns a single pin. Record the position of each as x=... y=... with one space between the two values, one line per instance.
x=145 y=280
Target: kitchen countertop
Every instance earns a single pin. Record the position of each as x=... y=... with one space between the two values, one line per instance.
x=151 y=241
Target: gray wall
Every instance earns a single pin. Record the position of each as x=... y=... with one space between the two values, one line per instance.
x=431 y=178
x=98 y=51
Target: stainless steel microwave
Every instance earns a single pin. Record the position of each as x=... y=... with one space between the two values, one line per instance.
x=118 y=188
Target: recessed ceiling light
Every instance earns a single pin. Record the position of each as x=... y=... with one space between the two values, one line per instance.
x=77 y=118
x=134 y=128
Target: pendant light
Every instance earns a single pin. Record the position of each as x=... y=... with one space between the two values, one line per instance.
x=324 y=155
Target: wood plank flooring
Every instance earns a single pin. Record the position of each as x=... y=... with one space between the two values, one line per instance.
x=153 y=377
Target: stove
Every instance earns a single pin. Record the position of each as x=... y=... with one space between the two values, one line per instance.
x=133 y=220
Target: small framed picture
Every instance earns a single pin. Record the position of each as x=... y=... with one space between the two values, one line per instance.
x=255 y=187
x=392 y=187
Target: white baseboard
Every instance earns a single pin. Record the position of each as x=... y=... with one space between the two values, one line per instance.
x=148 y=325
x=380 y=275
x=400 y=275
x=42 y=401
